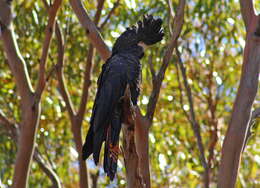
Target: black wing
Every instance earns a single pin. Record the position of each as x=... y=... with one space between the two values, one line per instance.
x=111 y=86
x=106 y=119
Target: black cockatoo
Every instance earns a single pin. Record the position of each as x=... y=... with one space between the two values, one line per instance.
x=121 y=69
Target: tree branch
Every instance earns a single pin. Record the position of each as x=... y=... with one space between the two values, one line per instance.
x=99 y=10
x=88 y=68
x=241 y=114
x=46 y=45
x=150 y=63
x=91 y=30
x=181 y=96
x=194 y=122
x=14 y=134
x=133 y=163
x=248 y=12
x=59 y=69
x=136 y=129
x=177 y=27
x=116 y=4
x=16 y=61
x=47 y=169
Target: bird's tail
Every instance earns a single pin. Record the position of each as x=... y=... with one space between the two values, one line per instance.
x=112 y=143
x=87 y=149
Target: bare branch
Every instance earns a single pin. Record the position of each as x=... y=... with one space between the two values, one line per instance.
x=50 y=73
x=46 y=45
x=248 y=12
x=150 y=63
x=91 y=30
x=170 y=8
x=88 y=68
x=99 y=10
x=16 y=63
x=194 y=122
x=47 y=169
x=59 y=68
x=87 y=82
x=116 y=4
x=181 y=95
x=240 y=118
x=177 y=27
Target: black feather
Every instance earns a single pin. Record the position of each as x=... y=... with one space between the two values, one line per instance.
x=121 y=69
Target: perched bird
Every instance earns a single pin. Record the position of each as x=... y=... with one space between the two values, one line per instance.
x=121 y=69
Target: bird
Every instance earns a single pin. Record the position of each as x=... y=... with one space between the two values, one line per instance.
x=121 y=70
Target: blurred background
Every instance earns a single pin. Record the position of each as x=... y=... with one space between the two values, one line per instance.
x=211 y=48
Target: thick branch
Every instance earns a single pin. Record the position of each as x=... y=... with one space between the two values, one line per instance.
x=130 y=154
x=136 y=143
x=247 y=10
x=241 y=114
x=30 y=107
x=17 y=64
x=91 y=30
x=46 y=45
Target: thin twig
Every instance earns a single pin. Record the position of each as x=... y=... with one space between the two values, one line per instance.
x=116 y=4
x=46 y=45
x=151 y=67
x=47 y=169
x=177 y=27
x=181 y=95
x=61 y=81
x=255 y=115
x=88 y=68
x=194 y=123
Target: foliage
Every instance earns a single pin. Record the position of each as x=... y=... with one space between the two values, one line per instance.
x=211 y=47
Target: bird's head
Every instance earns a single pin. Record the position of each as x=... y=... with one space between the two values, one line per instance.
x=147 y=32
